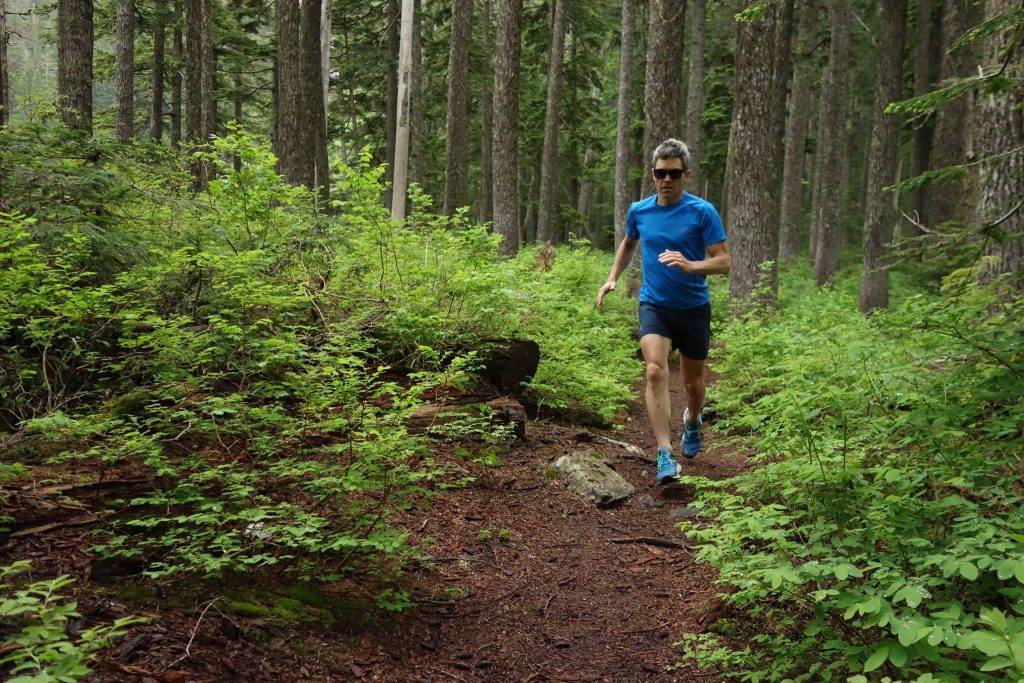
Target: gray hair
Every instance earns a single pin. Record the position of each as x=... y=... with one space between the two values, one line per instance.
x=672 y=149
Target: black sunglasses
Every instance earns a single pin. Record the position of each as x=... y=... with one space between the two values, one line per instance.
x=674 y=173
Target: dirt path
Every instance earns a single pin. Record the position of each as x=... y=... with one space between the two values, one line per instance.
x=529 y=586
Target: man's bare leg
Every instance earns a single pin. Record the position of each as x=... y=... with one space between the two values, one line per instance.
x=659 y=406
x=693 y=383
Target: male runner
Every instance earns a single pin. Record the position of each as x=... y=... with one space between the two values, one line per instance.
x=682 y=239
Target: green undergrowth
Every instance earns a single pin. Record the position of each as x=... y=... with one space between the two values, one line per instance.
x=257 y=356
x=881 y=536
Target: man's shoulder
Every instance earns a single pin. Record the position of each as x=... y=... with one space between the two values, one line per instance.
x=699 y=203
x=645 y=203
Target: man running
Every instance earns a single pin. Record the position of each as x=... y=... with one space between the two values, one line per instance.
x=682 y=240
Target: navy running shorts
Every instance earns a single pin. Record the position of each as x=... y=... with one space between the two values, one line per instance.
x=688 y=328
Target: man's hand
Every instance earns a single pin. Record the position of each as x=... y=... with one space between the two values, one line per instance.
x=605 y=288
x=676 y=259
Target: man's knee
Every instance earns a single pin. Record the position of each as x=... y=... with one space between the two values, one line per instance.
x=656 y=373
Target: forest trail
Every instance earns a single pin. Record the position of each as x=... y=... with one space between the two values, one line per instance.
x=537 y=590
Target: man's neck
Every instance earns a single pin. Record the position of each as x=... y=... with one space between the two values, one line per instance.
x=669 y=201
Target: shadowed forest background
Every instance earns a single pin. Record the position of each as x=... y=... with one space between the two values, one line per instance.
x=265 y=268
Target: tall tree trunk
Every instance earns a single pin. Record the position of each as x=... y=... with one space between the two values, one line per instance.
x=1001 y=119
x=884 y=153
x=124 y=67
x=417 y=122
x=194 y=91
x=528 y=234
x=926 y=63
x=506 y=125
x=487 y=124
x=5 y=72
x=456 y=149
x=695 y=90
x=832 y=143
x=292 y=164
x=391 y=93
x=209 y=70
x=665 y=31
x=952 y=199
x=547 y=213
x=398 y=197
x=812 y=242
x=325 y=57
x=74 y=63
x=782 y=74
x=796 y=141
x=156 y=111
x=622 y=150
x=176 y=56
x=314 y=121
x=752 y=175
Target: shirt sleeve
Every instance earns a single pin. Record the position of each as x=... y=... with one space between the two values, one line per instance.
x=632 y=230
x=711 y=228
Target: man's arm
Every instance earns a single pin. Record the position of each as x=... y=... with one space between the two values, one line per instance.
x=717 y=262
x=622 y=257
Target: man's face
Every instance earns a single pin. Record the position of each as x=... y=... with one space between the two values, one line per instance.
x=669 y=186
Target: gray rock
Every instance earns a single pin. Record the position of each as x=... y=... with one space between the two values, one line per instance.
x=688 y=512
x=587 y=474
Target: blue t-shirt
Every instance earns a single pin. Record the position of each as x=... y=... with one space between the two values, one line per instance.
x=688 y=226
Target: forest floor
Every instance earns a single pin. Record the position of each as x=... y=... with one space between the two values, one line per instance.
x=526 y=583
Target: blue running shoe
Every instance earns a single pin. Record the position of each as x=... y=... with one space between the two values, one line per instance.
x=668 y=468
x=693 y=438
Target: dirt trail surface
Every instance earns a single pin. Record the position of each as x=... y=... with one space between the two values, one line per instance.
x=563 y=596
x=524 y=582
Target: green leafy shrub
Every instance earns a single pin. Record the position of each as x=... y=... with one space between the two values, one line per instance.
x=883 y=531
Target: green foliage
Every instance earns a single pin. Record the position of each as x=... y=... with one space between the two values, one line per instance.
x=883 y=530
x=34 y=619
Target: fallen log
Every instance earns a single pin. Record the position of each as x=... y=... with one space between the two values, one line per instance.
x=501 y=411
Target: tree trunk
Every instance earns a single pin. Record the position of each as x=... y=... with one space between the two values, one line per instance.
x=400 y=186
x=695 y=90
x=209 y=69
x=176 y=56
x=782 y=74
x=884 y=153
x=752 y=175
x=314 y=121
x=547 y=212
x=74 y=63
x=953 y=199
x=926 y=62
x=665 y=31
x=325 y=57
x=5 y=72
x=796 y=141
x=487 y=125
x=124 y=67
x=391 y=92
x=529 y=229
x=456 y=149
x=622 y=151
x=832 y=144
x=291 y=162
x=417 y=123
x=506 y=125
x=156 y=112
x=1001 y=120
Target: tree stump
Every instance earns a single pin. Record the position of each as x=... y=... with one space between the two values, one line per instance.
x=507 y=363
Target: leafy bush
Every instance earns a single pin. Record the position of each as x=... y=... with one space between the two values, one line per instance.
x=883 y=530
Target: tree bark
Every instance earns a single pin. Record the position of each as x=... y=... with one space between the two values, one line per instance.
x=74 y=63
x=176 y=56
x=487 y=125
x=751 y=176
x=622 y=151
x=665 y=31
x=954 y=199
x=325 y=57
x=832 y=144
x=391 y=93
x=926 y=63
x=314 y=121
x=782 y=74
x=884 y=153
x=156 y=111
x=292 y=164
x=417 y=122
x=401 y=181
x=5 y=72
x=695 y=90
x=209 y=69
x=124 y=67
x=506 y=126
x=796 y=141
x=1001 y=120
x=456 y=149
x=547 y=211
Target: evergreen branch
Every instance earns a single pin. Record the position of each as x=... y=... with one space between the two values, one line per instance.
x=945 y=173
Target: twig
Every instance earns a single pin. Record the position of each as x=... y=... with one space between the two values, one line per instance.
x=74 y=521
x=646 y=630
x=650 y=540
x=195 y=629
